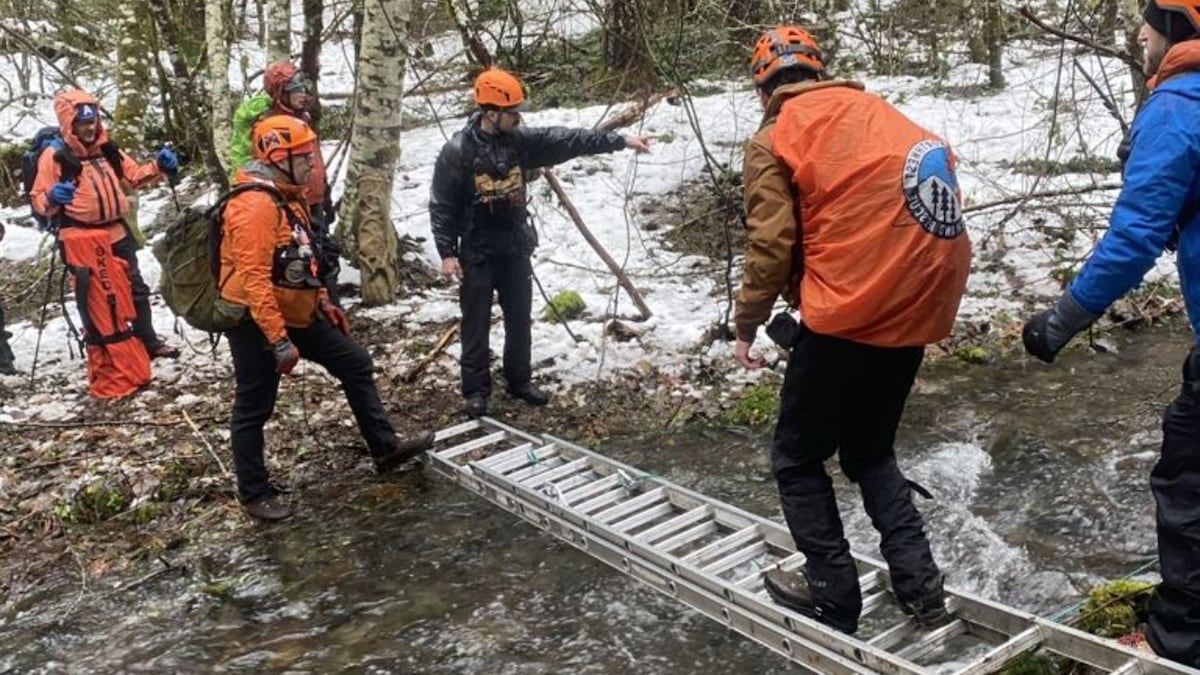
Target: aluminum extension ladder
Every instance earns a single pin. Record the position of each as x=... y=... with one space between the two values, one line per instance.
x=710 y=556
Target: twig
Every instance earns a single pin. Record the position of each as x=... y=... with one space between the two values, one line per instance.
x=101 y=423
x=207 y=445
x=1040 y=195
x=433 y=353
x=1069 y=37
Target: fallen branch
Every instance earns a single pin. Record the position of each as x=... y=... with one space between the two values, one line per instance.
x=438 y=348
x=101 y=423
x=573 y=212
x=1042 y=195
x=207 y=446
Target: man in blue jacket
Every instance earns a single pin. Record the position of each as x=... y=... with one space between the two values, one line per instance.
x=1158 y=207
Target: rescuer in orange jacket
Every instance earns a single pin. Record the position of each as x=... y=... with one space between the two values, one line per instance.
x=81 y=183
x=853 y=212
x=269 y=264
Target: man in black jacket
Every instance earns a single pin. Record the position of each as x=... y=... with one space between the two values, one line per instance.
x=482 y=230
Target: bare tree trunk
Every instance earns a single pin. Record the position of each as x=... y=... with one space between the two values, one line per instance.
x=625 y=48
x=216 y=18
x=993 y=32
x=310 y=51
x=1132 y=18
x=133 y=76
x=365 y=228
x=279 y=31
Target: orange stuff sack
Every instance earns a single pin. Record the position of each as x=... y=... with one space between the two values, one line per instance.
x=117 y=362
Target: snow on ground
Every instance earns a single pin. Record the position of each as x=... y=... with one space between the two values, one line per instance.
x=1013 y=262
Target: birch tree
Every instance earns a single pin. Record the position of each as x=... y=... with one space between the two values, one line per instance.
x=365 y=229
x=279 y=31
x=133 y=75
x=216 y=18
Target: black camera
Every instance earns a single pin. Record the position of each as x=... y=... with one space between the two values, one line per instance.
x=784 y=330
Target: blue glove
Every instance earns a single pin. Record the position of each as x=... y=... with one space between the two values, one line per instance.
x=62 y=193
x=1049 y=331
x=167 y=161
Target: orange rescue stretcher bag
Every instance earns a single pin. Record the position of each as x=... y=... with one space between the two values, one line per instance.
x=117 y=362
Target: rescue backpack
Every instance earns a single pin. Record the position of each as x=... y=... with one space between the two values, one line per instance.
x=244 y=117
x=190 y=256
x=69 y=163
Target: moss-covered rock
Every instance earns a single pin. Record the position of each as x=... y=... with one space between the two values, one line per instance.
x=569 y=305
x=1113 y=609
x=758 y=405
x=98 y=500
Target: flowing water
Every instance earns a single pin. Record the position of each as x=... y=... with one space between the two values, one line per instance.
x=1040 y=477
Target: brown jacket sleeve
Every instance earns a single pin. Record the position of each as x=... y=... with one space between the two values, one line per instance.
x=772 y=230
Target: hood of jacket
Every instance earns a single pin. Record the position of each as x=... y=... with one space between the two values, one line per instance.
x=66 y=106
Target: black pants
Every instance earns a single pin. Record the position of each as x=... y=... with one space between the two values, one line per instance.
x=6 y=353
x=258 y=385
x=846 y=398
x=143 y=323
x=1174 y=625
x=509 y=277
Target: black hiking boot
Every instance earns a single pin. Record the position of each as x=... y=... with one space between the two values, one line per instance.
x=477 y=405
x=530 y=394
x=269 y=509
x=159 y=349
x=405 y=450
x=791 y=590
x=6 y=353
x=931 y=613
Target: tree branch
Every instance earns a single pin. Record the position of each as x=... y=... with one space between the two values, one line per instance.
x=1069 y=37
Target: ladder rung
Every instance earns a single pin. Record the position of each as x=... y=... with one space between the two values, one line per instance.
x=674 y=525
x=518 y=457
x=687 y=536
x=614 y=496
x=630 y=507
x=933 y=640
x=543 y=465
x=873 y=600
x=572 y=467
x=870 y=580
x=481 y=442
x=643 y=517
x=451 y=432
x=1132 y=667
x=562 y=487
x=792 y=562
x=585 y=492
x=892 y=636
x=739 y=557
x=1026 y=640
x=719 y=547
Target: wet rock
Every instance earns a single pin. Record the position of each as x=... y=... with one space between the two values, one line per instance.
x=98 y=500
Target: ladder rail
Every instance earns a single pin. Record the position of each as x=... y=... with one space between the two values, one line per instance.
x=697 y=549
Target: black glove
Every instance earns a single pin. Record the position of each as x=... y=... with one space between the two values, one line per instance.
x=1049 y=331
x=1123 y=150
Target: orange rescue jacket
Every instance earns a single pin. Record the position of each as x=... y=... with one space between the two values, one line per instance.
x=254 y=229
x=886 y=252
x=99 y=193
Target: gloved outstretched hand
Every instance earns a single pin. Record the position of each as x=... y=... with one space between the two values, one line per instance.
x=167 y=161
x=1049 y=331
x=62 y=193
x=286 y=356
x=335 y=315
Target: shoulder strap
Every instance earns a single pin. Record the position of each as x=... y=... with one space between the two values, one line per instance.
x=69 y=162
x=112 y=152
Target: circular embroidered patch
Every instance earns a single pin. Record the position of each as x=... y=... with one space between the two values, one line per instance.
x=931 y=189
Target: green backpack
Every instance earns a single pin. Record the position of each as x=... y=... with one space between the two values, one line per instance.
x=189 y=254
x=244 y=117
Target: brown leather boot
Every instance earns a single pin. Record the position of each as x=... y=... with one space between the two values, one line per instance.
x=270 y=509
x=405 y=449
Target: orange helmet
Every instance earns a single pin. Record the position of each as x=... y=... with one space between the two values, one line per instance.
x=277 y=137
x=499 y=88
x=785 y=47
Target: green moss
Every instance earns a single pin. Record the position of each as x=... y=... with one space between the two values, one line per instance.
x=569 y=305
x=1112 y=609
x=1036 y=664
x=149 y=512
x=758 y=405
x=100 y=499
x=977 y=355
x=174 y=483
